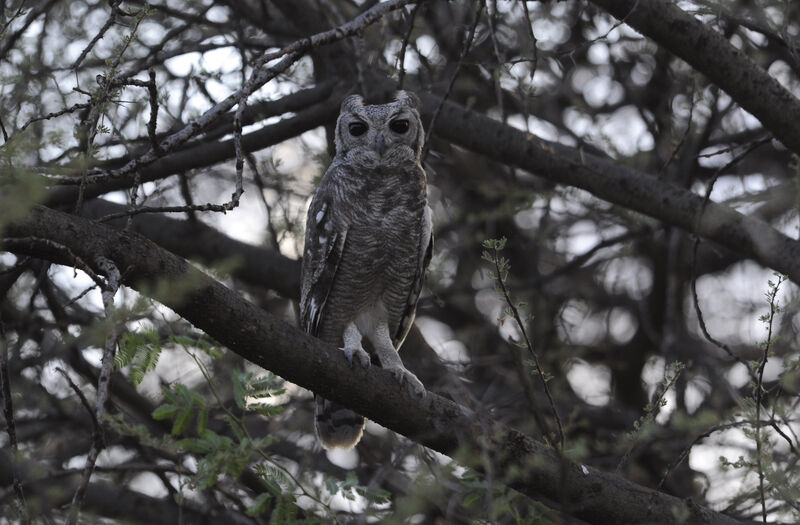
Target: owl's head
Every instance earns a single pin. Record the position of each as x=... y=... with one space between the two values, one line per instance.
x=382 y=132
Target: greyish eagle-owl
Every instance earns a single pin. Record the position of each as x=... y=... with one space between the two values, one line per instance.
x=368 y=243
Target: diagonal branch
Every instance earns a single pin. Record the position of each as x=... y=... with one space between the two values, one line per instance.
x=435 y=422
x=619 y=184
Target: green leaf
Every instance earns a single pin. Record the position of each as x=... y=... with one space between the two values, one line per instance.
x=182 y=421
x=202 y=420
x=260 y=504
x=166 y=411
x=471 y=498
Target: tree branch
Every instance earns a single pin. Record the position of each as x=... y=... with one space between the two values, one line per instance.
x=711 y=54
x=435 y=422
x=205 y=154
x=616 y=183
x=195 y=240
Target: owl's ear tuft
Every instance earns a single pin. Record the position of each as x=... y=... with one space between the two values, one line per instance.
x=408 y=98
x=352 y=102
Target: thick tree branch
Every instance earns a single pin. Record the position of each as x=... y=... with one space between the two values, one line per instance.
x=711 y=54
x=616 y=183
x=195 y=240
x=435 y=422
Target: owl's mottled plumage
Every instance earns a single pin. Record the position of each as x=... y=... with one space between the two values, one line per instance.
x=368 y=243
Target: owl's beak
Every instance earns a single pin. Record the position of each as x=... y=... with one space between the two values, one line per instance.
x=380 y=145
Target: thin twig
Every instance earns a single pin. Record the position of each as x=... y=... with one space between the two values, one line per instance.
x=759 y=389
x=71 y=109
x=652 y=409
x=153 y=122
x=500 y=277
x=112 y=18
x=8 y=412
x=706 y=199
x=257 y=178
x=77 y=262
x=113 y=278
x=464 y=51
x=535 y=59
x=84 y=402
x=5 y=133
x=401 y=55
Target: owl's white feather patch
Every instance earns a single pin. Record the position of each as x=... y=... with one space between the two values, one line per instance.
x=313 y=309
x=321 y=213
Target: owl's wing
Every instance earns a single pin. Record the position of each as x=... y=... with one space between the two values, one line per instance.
x=425 y=254
x=323 y=253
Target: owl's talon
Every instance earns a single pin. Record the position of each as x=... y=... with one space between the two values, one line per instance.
x=413 y=385
x=360 y=354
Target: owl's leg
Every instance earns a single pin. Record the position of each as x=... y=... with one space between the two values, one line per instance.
x=390 y=360
x=352 y=346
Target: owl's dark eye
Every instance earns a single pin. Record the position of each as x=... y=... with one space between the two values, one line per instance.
x=357 y=128
x=399 y=126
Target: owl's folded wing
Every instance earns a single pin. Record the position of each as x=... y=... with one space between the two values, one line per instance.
x=425 y=254
x=321 y=258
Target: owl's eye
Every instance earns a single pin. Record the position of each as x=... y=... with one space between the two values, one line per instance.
x=399 y=126
x=357 y=128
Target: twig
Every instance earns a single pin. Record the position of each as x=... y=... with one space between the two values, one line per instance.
x=112 y=18
x=71 y=109
x=759 y=387
x=700 y=213
x=186 y=193
x=5 y=133
x=464 y=51
x=8 y=412
x=685 y=452
x=273 y=233
x=652 y=409
x=401 y=55
x=113 y=279
x=535 y=59
x=77 y=262
x=501 y=266
x=84 y=402
x=99 y=101
x=153 y=122
x=13 y=17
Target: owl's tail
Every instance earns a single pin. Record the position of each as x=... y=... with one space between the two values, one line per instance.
x=336 y=425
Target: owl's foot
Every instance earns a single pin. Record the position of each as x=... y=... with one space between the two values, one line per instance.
x=360 y=354
x=413 y=385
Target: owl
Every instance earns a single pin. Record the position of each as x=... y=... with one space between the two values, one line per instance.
x=368 y=242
